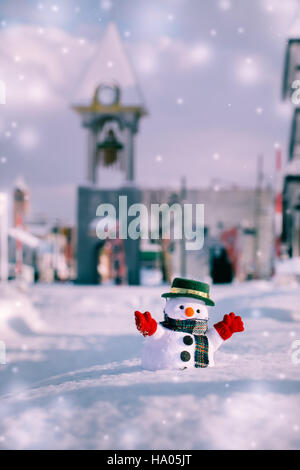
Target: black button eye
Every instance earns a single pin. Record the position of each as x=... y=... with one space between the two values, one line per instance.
x=198 y=311
x=181 y=307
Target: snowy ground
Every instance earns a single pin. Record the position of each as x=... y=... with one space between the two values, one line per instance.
x=73 y=377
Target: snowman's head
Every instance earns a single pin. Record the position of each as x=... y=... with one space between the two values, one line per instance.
x=186 y=308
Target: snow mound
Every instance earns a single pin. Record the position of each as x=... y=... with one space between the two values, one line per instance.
x=288 y=272
x=289 y=266
x=17 y=314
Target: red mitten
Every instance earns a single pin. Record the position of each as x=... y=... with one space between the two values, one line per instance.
x=230 y=324
x=145 y=323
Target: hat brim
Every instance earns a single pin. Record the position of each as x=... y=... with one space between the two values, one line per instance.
x=194 y=296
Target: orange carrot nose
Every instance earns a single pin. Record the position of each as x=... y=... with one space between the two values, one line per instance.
x=189 y=311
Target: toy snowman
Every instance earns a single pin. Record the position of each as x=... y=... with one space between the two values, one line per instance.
x=183 y=339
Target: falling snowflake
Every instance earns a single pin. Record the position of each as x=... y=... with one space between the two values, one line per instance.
x=248 y=71
x=28 y=139
x=270 y=8
x=225 y=5
x=106 y=5
x=259 y=110
x=200 y=54
x=256 y=313
x=180 y=101
x=165 y=42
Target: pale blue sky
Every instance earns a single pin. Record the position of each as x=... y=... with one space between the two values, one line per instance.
x=210 y=72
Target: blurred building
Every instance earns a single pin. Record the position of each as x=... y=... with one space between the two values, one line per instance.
x=239 y=223
x=291 y=190
x=35 y=253
x=38 y=249
x=21 y=199
x=58 y=262
x=237 y=226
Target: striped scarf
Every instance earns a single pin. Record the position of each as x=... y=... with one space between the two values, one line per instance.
x=196 y=327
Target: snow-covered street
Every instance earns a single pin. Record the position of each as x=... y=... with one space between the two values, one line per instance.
x=73 y=377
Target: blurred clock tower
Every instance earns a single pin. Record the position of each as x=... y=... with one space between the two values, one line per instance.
x=110 y=113
x=111 y=130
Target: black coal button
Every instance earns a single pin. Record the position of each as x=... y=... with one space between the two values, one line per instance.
x=185 y=356
x=188 y=340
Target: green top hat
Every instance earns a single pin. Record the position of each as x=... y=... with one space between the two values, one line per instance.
x=188 y=288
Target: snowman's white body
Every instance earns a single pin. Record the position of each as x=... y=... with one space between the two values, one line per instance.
x=163 y=349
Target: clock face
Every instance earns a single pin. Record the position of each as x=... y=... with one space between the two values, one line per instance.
x=107 y=95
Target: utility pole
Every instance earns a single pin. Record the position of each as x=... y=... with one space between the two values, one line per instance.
x=183 y=251
x=257 y=213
